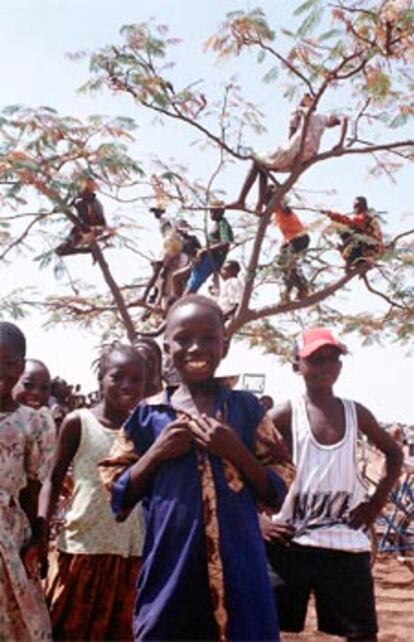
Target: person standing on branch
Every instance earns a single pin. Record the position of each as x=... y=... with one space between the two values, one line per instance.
x=300 y=145
x=210 y=259
x=295 y=242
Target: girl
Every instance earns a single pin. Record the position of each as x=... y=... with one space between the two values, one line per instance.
x=198 y=470
x=91 y=582
x=26 y=445
x=33 y=387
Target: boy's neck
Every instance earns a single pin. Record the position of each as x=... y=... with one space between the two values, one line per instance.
x=202 y=393
x=319 y=397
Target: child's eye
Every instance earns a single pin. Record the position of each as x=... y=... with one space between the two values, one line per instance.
x=28 y=385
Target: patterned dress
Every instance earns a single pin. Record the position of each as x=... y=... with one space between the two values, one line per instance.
x=204 y=571
x=26 y=445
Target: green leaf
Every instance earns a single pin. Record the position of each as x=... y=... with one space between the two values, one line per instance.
x=305 y=6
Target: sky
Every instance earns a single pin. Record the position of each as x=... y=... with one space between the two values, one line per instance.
x=35 y=70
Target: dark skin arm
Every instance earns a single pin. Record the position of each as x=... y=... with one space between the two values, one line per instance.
x=28 y=500
x=280 y=532
x=366 y=513
x=66 y=448
x=174 y=441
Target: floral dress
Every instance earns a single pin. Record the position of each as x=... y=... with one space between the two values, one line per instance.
x=26 y=445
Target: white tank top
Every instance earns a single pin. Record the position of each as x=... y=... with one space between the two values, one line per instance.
x=327 y=485
x=90 y=528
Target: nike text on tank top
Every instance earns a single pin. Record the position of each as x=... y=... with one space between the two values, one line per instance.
x=327 y=485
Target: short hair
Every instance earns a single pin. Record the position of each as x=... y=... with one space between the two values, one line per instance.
x=234 y=265
x=363 y=201
x=196 y=299
x=10 y=333
x=116 y=346
x=39 y=364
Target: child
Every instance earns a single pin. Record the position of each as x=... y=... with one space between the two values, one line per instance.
x=91 y=582
x=204 y=569
x=322 y=545
x=231 y=288
x=361 y=235
x=26 y=445
x=295 y=242
x=210 y=259
x=152 y=354
x=301 y=146
x=33 y=387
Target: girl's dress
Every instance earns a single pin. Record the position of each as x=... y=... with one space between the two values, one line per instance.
x=26 y=447
x=91 y=581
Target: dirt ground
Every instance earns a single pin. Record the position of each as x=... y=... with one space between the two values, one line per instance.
x=394 y=589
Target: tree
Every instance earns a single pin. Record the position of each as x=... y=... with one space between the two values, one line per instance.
x=355 y=55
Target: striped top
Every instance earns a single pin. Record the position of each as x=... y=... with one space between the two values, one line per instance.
x=327 y=486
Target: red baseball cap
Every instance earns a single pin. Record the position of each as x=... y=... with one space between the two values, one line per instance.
x=314 y=338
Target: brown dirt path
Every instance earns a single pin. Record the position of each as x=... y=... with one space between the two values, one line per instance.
x=394 y=589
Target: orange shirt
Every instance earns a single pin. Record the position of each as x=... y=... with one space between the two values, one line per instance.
x=289 y=224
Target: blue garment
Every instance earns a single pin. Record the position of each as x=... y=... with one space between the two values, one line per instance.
x=202 y=270
x=174 y=600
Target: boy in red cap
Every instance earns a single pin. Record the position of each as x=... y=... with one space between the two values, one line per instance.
x=318 y=543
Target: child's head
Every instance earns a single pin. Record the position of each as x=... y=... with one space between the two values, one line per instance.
x=195 y=337
x=152 y=354
x=217 y=211
x=230 y=270
x=360 y=204
x=266 y=401
x=12 y=355
x=306 y=101
x=33 y=387
x=317 y=357
x=121 y=374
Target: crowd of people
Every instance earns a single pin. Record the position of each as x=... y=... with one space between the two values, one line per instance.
x=193 y=511
x=166 y=505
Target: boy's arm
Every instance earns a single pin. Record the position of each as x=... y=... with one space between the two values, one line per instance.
x=366 y=513
x=281 y=415
x=273 y=453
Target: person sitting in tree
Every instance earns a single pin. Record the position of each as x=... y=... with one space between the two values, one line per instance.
x=91 y=220
x=300 y=144
x=361 y=235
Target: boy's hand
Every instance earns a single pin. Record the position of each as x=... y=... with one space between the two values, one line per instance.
x=280 y=532
x=214 y=435
x=364 y=515
x=174 y=440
